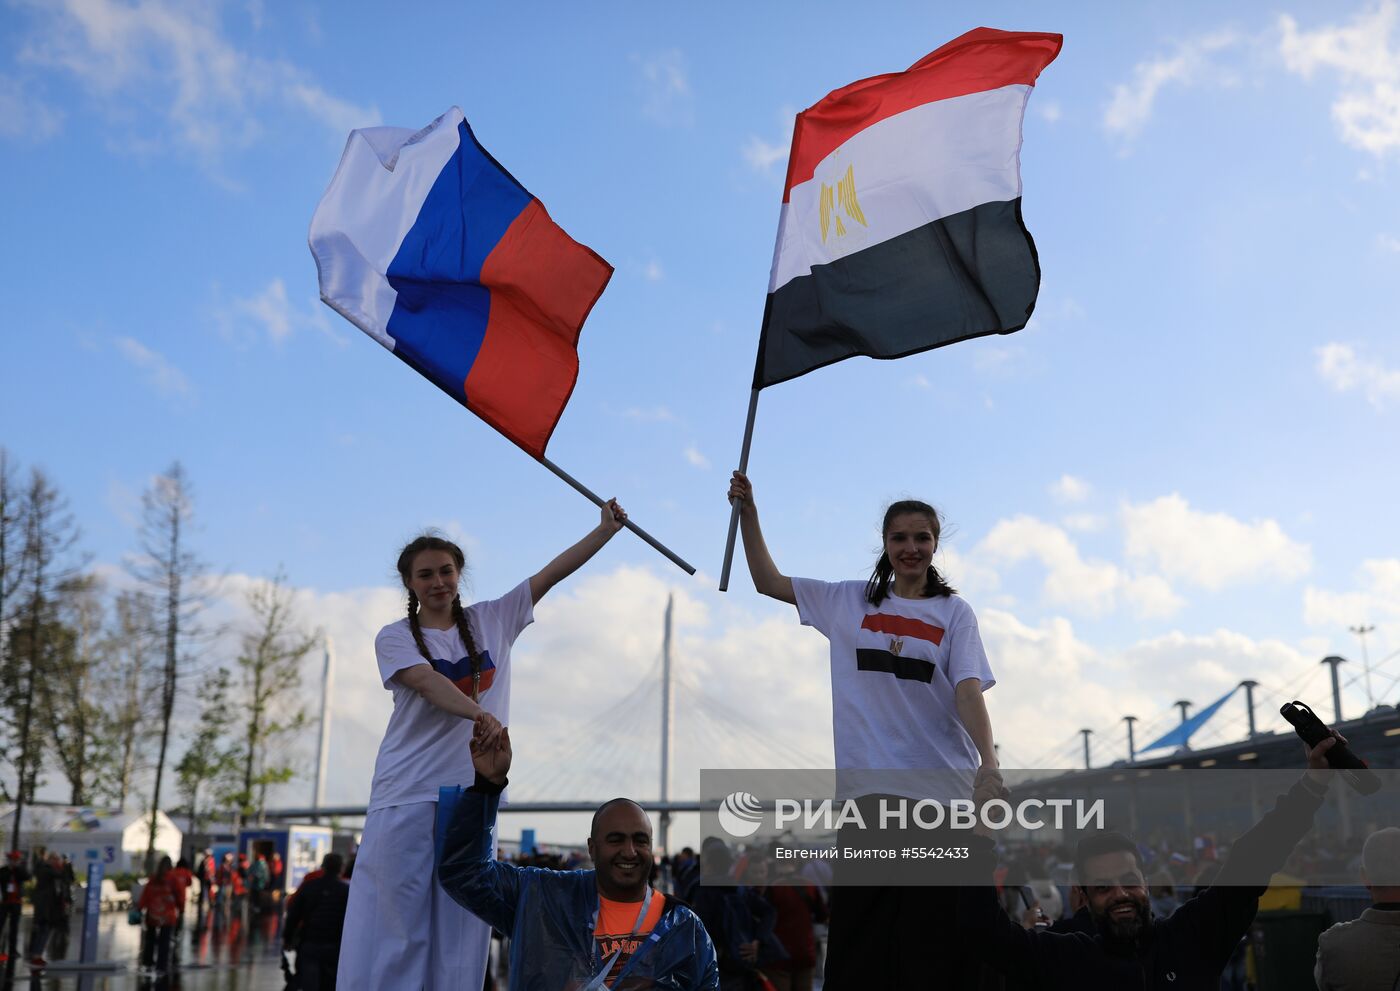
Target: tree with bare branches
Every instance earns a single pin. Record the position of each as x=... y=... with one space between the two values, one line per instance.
x=129 y=652
x=171 y=574
x=48 y=563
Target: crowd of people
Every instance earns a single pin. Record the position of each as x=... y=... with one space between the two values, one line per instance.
x=417 y=908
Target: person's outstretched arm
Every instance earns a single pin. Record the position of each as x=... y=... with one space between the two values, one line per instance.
x=972 y=710
x=469 y=872
x=441 y=693
x=613 y=516
x=1218 y=917
x=766 y=576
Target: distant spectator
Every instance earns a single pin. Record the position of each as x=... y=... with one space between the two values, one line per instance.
x=48 y=906
x=160 y=900
x=1366 y=953
x=315 y=920
x=798 y=906
x=685 y=874
x=13 y=876
x=259 y=880
x=739 y=921
x=205 y=869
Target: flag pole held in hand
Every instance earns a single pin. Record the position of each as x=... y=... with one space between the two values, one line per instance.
x=900 y=227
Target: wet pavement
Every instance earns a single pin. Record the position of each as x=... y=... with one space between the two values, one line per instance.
x=232 y=957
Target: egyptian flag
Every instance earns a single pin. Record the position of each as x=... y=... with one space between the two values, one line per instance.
x=429 y=246
x=901 y=222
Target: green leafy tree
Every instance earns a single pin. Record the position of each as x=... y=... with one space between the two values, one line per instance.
x=210 y=767
x=270 y=690
x=68 y=702
x=47 y=560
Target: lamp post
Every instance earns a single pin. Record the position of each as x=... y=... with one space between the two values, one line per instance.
x=1361 y=632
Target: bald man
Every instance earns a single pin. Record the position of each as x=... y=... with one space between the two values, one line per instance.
x=575 y=930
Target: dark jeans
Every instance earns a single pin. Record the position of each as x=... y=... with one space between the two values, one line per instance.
x=157 y=944
x=9 y=928
x=39 y=936
x=316 y=964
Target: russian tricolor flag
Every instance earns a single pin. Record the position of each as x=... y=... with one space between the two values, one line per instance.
x=429 y=246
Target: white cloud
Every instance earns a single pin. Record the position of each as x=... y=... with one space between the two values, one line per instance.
x=693 y=455
x=273 y=314
x=586 y=678
x=1367 y=110
x=762 y=156
x=653 y=271
x=1342 y=369
x=1071 y=582
x=23 y=116
x=1084 y=522
x=1388 y=242
x=1376 y=596
x=1070 y=489
x=1209 y=549
x=160 y=373
x=174 y=59
x=920 y=381
x=1049 y=110
x=655 y=414
x=666 y=96
x=1131 y=105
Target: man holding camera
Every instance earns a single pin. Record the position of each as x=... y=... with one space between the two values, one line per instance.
x=1128 y=948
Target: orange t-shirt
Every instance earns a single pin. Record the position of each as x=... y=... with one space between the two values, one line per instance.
x=615 y=929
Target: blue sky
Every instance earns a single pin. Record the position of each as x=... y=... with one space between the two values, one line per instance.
x=1180 y=475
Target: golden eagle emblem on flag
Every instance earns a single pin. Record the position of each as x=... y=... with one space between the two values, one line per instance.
x=840 y=199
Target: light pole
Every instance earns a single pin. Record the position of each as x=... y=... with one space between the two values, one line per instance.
x=1132 y=751
x=1249 y=687
x=1361 y=632
x=1086 y=733
x=1183 y=705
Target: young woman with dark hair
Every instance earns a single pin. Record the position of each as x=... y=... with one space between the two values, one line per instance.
x=448 y=666
x=908 y=670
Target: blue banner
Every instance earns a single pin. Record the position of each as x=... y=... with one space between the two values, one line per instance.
x=1181 y=735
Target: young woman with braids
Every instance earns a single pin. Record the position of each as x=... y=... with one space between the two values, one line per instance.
x=448 y=666
x=907 y=675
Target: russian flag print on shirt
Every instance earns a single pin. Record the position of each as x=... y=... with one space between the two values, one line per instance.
x=901 y=223
x=428 y=245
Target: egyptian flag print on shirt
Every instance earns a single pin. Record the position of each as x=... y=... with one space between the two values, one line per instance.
x=901 y=222
x=894 y=668
x=880 y=646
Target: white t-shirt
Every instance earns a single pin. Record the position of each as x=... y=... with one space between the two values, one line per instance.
x=425 y=748
x=893 y=668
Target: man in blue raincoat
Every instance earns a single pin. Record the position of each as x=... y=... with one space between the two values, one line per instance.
x=575 y=930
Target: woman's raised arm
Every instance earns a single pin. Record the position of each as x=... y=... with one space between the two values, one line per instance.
x=766 y=576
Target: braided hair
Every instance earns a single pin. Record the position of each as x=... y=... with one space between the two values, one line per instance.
x=431 y=542
x=878 y=587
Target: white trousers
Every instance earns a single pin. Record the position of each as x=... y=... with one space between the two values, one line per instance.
x=402 y=931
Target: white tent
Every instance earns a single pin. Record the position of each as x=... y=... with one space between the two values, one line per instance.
x=115 y=837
